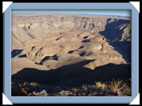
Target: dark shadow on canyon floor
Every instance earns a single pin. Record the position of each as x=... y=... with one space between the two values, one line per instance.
x=75 y=74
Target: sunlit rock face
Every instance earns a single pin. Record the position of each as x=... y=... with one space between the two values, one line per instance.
x=54 y=41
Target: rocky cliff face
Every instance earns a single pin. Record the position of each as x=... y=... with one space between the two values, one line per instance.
x=58 y=40
x=25 y=27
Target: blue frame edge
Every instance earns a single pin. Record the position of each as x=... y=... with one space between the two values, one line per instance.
x=73 y=99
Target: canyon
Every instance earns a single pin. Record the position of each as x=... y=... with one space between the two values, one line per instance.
x=61 y=48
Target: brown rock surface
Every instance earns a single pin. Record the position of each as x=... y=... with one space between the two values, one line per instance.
x=32 y=26
x=52 y=41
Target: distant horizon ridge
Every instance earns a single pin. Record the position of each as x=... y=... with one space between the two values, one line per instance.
x=78 y=14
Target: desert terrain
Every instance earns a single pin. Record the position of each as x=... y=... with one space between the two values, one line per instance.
x=70 y=55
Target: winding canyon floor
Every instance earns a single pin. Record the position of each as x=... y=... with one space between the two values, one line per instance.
x=61 y=54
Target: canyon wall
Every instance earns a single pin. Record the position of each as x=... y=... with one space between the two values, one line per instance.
x=57 y=40
x=26 y=27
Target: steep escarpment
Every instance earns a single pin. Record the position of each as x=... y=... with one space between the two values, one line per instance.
x=118 y=34
x=26 y=27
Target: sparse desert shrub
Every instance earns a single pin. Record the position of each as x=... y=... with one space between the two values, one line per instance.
x=108 y=88
x=22 y=88
x=79 y=94
x=93 y=93
x=66 y=93
x=83 y=94
x=74 y=90
x=33 y=83
x=84 y=87
x=24 y=91
x=25 y=83
x=98 y=84
x=116 y=86
x=101 y=85
x=127 y=91
x=18 y=91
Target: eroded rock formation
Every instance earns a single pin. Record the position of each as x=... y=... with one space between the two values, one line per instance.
x=59 y=40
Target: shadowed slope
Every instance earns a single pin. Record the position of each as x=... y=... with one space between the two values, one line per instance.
x=124 y=48
x=51 y=76
x=118 y=35
x=15 y=52
x=114 y=30
x=75 y=74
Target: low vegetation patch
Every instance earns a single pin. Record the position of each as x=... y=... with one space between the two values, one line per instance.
x=108 y=88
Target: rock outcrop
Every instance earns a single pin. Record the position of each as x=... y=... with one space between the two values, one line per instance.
x=68 y=48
